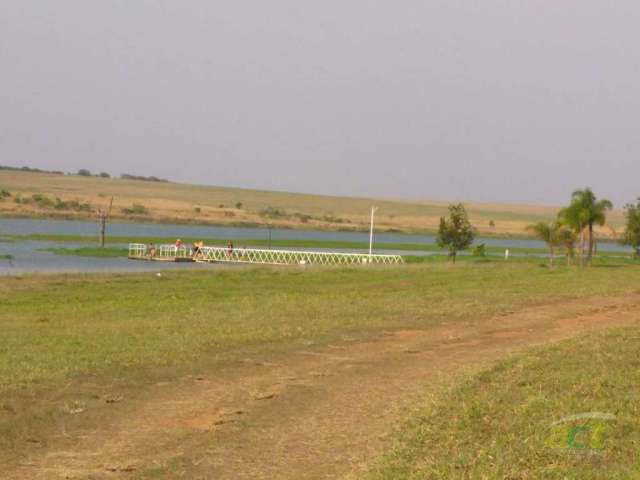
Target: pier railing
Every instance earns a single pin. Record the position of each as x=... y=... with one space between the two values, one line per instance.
x=292 y=257
x=259 y=256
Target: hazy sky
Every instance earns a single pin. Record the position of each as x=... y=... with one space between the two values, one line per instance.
x=518 y=101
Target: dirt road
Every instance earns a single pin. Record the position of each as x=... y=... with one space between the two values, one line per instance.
x=309 y=414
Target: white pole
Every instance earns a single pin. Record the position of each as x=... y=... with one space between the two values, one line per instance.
x=373 y=209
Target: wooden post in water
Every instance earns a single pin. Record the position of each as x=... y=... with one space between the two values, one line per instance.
x=103 y=216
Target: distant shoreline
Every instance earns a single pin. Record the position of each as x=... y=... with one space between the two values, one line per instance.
x=169 y=221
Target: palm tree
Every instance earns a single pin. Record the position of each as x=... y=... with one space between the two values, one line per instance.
x=582 y=214
x=549 y=234
x=567 y=238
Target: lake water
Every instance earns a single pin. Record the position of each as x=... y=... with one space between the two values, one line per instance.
x=29 y=258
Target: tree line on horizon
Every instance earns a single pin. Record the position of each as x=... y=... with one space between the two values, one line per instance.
x=573 y=229
x=83 y=172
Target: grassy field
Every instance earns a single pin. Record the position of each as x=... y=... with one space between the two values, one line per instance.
x=518 y=418
x=57 y=330
x=65 y=340
x=79 y=197
x=54 y=327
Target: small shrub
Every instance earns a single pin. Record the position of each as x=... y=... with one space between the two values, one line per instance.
x=272 y=212
x=136 y=209
x=197 y=209
x=302 y=217
x=229 y=214
x=74 y=205
x=239 y=205
x=79 y=207
x=83 y=172
x=4 y=194
x=332 y=219
x=104 y=175
x=42 y=200
x=60 y=205
x=480 y=250
x=492 y=224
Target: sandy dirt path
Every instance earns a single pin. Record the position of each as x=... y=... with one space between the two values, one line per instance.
x=310 y=414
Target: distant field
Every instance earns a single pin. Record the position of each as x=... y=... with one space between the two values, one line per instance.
x=79 y=197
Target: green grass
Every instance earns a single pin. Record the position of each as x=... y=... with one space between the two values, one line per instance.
x=560 y=262
x=56 y=327
x=499 y=423
x=106 y=252
x=65 y=338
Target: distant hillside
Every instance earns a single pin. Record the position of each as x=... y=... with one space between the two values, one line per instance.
x=32 y=194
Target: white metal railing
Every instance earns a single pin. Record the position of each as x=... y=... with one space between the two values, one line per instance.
x=165 y=251
x=137 y=250
x=291 y=257
x=262 y=256
x=140 y=250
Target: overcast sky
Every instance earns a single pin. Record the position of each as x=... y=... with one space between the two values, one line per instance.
x=512 y=101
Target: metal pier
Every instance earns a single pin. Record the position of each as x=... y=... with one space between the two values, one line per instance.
x=170 y=253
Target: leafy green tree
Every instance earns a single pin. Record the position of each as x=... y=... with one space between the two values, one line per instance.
x=585 y=211
x=456 y=232
x=631 y=235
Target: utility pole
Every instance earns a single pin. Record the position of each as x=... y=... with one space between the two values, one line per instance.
x=373 y=210
x=103 y=216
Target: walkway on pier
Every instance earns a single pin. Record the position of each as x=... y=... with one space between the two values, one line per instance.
x=171 y=253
